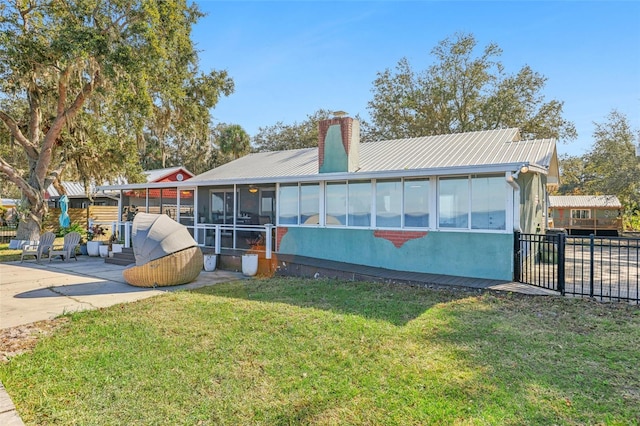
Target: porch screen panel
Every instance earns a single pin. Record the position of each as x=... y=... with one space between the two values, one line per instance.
x=359 y=203
x=155 y=201
x=336 y=203
x=416 y=203
x=453 y=199
x=310 y=204
x=488 y=202
x=187 y=214
x=389 y=204
x=169 y=202
x=288 y=205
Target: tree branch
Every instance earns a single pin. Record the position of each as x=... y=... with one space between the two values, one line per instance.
x=13 y=175
x=17 y=134
x=35 y=111
x=46 y=153
x=62 y=91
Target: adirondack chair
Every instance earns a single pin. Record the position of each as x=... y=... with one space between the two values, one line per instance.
x=68 y=249
x=40 y=249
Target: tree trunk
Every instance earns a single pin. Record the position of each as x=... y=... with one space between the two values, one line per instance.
x=29 y=228
x=30 y=224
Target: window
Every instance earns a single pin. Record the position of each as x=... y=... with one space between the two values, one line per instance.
x=288 y=205
x=359 y=203
x=453 y=202
x=463 y=202
x=309 y=204
x=336 y=203
x=488 y=202
x=580 y=214
x=416 y=203
x=389 y=204
x=222 y=207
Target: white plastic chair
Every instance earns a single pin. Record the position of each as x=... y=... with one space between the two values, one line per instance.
x=68 y=249
x=40 y=249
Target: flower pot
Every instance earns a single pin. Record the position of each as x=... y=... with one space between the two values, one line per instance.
x=103 y=250
x=116 y=248
x=210 y=261
x=249 y=264
x=83 y=249
x=93 y=248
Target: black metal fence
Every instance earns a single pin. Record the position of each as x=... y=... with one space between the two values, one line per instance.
x=605 y=268
x=7 y=233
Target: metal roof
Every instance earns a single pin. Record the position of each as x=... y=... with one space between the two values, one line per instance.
x=157 y=174
x=72 y=189
x=473 y=151
x=76 y=189
x=584 y=201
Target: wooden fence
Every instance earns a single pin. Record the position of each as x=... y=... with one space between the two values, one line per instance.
x=100 y=214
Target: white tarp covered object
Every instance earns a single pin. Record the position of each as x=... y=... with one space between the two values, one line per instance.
x=157 y=235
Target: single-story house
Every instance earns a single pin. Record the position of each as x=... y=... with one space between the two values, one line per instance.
x=586 y=214
x=444 y=204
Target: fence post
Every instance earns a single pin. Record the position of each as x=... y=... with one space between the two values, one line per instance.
x=516 y=256
x=592 y=240
x=561 y=245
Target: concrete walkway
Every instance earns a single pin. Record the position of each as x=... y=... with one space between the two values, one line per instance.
x=31 y=292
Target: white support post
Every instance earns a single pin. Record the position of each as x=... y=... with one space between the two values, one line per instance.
x=127 y=234
x=267 y=240
x=218 y=239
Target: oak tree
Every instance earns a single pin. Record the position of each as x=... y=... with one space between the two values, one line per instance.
x=80 y=80
x=463 y=91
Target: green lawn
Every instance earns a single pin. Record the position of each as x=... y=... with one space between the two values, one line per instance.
x=7 y=255
x=292 y=351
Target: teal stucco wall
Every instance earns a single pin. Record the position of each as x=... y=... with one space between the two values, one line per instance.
x=466 y=254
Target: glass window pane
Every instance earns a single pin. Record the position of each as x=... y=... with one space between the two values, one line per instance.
x=359 y=204
x=388 y=204
x=217 y=208
x=416 y=203
x=453 y=199
x=488 y=202
x=288 y=205
x=310 y=204
x=336 y=204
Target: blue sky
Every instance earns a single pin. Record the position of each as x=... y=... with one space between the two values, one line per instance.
x=288 y=59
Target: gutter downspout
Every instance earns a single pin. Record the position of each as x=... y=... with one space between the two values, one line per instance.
x=511 y=180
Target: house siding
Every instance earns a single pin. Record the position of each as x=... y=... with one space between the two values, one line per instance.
x=466 y=254
x=532 y=202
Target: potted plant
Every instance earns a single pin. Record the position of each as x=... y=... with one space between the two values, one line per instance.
x=94 y=233
x=250 y=259
x=115 y=245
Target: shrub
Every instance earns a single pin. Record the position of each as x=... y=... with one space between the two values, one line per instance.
x=74 y=227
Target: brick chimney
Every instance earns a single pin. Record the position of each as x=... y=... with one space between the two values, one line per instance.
x=338 y=145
